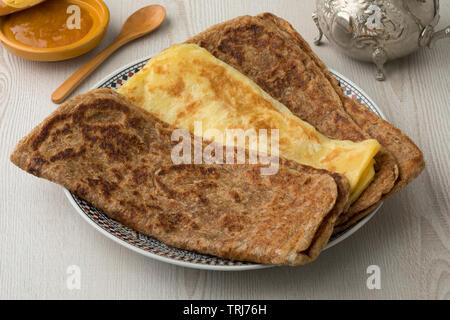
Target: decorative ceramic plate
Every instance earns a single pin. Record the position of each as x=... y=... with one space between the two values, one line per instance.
x=153 y=248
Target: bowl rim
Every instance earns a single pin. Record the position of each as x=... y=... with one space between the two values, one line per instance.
x=97 y=6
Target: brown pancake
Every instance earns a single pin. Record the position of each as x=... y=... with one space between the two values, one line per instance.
x=118 y=157
x=270 y=52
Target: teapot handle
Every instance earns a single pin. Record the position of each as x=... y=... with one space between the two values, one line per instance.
x=444 y=33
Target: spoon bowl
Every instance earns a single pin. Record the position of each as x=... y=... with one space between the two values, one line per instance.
x=140 y=23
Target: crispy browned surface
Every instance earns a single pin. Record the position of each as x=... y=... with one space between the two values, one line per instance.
x=118 y=157
x=269 y=51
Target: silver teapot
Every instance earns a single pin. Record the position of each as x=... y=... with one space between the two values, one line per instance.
x=379 y=30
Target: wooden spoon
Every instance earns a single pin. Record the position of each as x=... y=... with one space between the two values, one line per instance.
x=138 y=24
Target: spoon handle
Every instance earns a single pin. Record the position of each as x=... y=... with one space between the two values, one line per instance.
x=64 y=90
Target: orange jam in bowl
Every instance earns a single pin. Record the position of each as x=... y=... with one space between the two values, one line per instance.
x=45 y=25
x=55 y=29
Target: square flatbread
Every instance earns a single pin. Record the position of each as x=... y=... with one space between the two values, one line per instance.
x=118 y=157
x=268 y=50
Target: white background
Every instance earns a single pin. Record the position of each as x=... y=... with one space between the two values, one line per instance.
x=409 y=238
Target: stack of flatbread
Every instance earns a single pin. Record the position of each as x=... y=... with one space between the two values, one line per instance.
x=269 y=51
x=337 y=160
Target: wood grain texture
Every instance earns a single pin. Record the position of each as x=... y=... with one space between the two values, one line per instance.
x=41 y=234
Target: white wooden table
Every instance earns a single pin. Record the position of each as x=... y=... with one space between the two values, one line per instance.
x=409 y=239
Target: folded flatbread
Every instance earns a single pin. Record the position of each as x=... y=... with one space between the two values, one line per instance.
x=187 y=87
x=269 y=51
x=118 y=157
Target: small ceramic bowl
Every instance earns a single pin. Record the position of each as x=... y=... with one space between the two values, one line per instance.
x=100 y=14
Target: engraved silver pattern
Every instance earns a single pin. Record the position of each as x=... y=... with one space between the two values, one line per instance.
x=379 y=30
